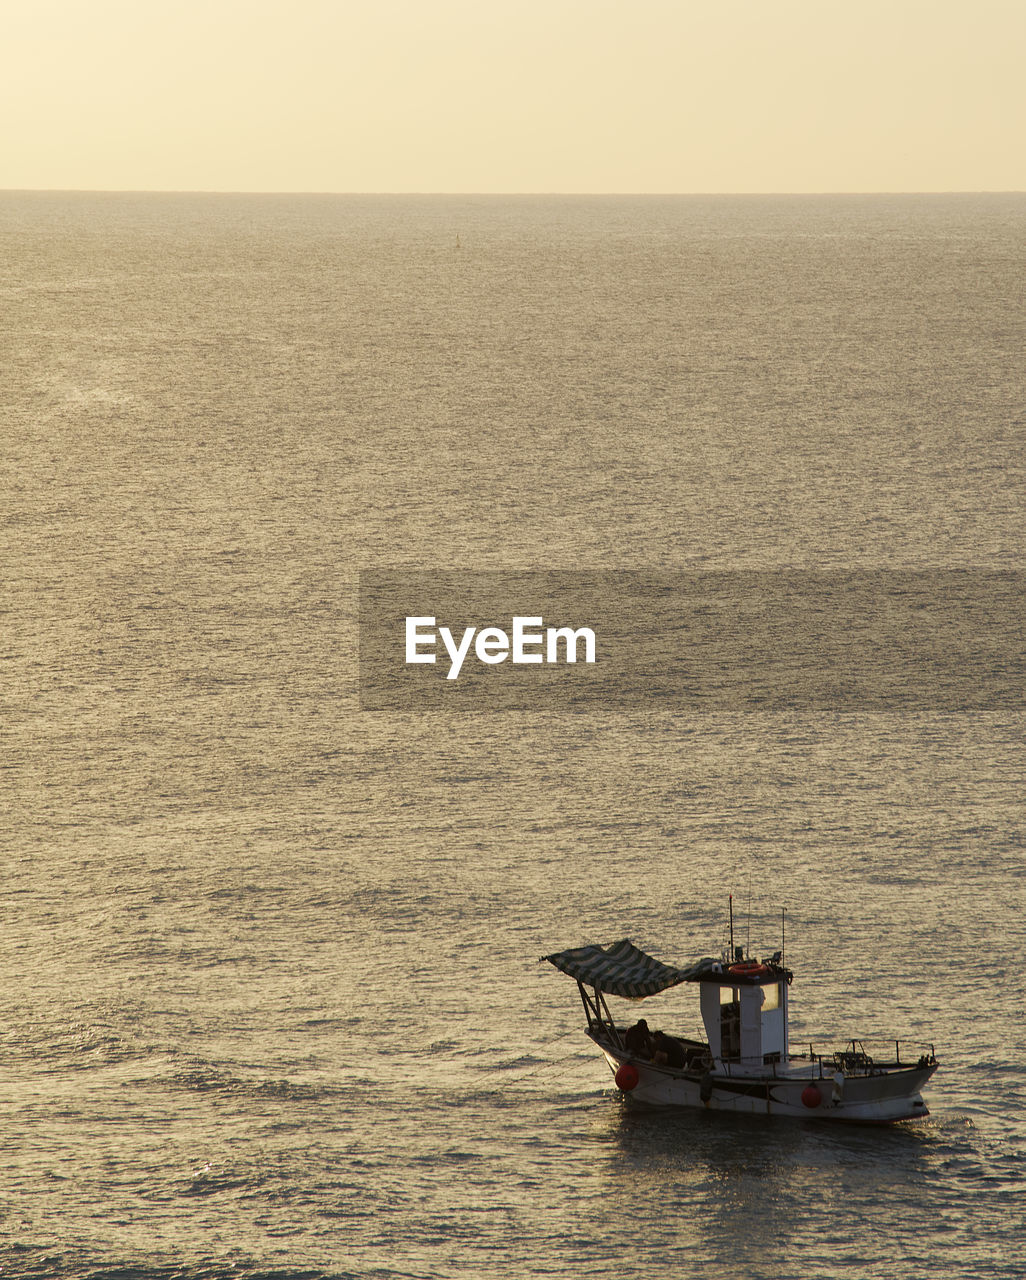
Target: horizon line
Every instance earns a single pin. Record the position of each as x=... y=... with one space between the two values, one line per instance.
x=218 y=191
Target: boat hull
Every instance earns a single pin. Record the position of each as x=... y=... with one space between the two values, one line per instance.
x=885 y=1097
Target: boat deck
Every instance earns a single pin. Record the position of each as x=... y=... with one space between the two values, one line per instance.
x=850 y=1062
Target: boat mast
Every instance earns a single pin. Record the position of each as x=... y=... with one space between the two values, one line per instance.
x=748 y=940
x=730 y=908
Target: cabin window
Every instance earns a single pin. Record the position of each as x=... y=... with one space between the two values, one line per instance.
x=730 y=1023
x=771 y=997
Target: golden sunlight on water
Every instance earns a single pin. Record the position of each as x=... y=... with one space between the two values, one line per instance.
x=272 y=1000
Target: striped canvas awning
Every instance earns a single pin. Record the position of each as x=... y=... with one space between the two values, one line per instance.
x=623 y=969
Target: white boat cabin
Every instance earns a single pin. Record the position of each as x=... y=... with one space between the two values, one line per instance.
x=744 y=1009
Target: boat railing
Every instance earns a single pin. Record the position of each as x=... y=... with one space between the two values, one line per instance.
x=871 y=1056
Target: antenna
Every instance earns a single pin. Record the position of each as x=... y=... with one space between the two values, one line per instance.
x=748 y=942
x=730 y=908
x=781 y=935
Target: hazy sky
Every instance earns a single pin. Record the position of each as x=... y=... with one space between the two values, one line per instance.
x=514 y=95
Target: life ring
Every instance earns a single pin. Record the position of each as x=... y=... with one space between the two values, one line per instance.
x=749 y=969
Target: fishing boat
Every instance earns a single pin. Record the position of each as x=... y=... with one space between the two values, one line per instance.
x=746 y=1064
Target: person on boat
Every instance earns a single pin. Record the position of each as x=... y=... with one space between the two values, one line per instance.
x=667 y=1051
x=638 y=1039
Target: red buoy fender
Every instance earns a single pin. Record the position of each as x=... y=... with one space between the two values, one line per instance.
x=749 y=969
x=626 y=1077
x=811 y=1096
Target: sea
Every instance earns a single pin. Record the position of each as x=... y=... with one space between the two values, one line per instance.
x=273 y=1002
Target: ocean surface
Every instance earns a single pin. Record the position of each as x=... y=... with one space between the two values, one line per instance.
x=272 y=1003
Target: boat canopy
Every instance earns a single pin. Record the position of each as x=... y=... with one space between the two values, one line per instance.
x=625 y=970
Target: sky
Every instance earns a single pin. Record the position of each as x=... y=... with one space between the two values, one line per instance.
x=636 y=96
